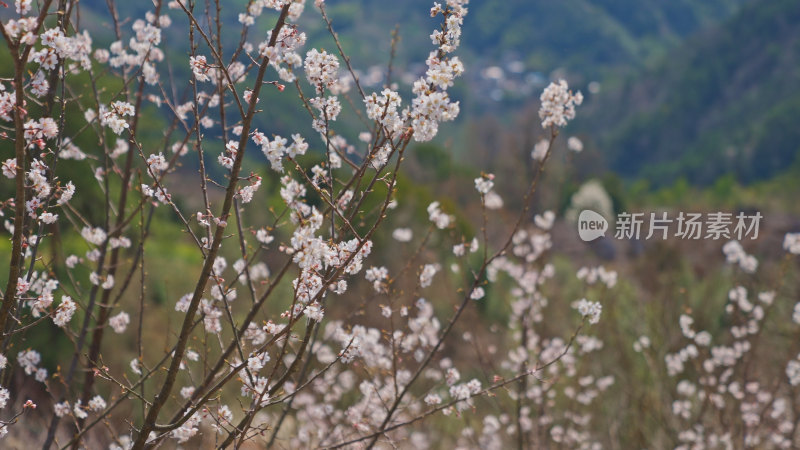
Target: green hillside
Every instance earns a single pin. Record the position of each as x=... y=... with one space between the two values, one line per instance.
x=684 y=82
x=725 y=102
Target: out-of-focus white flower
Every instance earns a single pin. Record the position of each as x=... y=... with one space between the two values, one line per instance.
x=403 y=234
x=484 y=184
x=791 y=243
x=477 y=293
x=119 y=322
x=426 y=276
x=574 y=144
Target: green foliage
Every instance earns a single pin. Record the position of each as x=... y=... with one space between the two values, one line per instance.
x=589 y=36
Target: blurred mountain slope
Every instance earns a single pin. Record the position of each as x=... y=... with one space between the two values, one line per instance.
x=726 y=101
x=587 y=34
x=693 y=88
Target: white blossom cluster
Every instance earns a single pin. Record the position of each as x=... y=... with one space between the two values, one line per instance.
x=277 y=149
x=735 y=254
x=590 y=310
x=484 y=184
x=431 y=103
x=558 y=104
x=598 y=274
x=721 y=390
x=541 y=415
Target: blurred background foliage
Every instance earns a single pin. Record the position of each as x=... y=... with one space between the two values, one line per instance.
x=675 y=90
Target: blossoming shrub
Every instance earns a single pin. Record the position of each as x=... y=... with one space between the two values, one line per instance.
x=263 y=345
